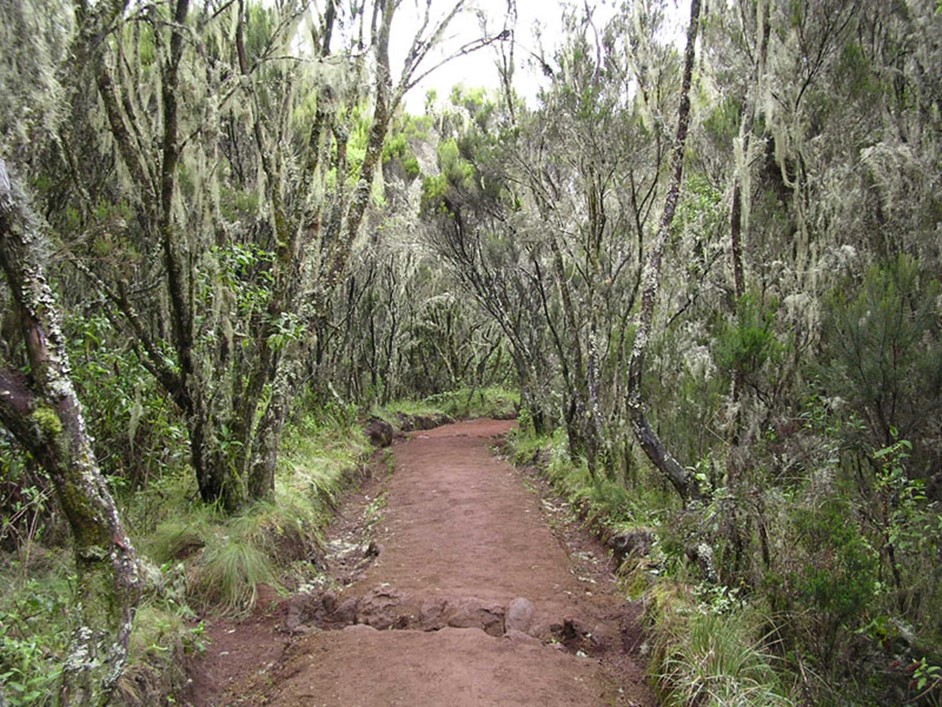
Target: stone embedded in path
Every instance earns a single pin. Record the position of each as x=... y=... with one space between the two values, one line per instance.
x=471 y=612
x=519 y=615
x=385 y=607
x=359 y=628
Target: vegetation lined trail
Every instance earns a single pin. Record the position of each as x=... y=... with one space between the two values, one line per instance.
x=460 y=545
x=694 y=245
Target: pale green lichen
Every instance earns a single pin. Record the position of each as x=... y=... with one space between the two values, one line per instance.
x=47 y=421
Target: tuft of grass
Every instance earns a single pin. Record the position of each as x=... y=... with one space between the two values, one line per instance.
x=177 y=539
x=705 y=655
x=229 y=571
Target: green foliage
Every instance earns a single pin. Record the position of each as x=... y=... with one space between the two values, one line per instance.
x=605 y=503
x=397 y=147
x=26 y=514
x=491 y=401
x=434 y=188
x=837 y=577
x=902 y=498
x=34 y=629
x=245 y=270
x=745 y=346
x=883 y=351
x=457 y=170
x=722 y=123
x=28 y=674
x=855 y=74
x=700 y=213
x=137 y=433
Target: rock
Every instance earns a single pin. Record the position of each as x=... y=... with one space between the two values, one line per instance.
x=379 y=431
x=405 y=422
x=359 y=628
x=470 y=612
x=309 y=608
x=636 y=542
x=519 y=615
x=385 y=608
x=346 y=613
x=424 y=422
x=432 y=615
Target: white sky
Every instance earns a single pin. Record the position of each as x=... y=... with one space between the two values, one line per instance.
x=535 y=18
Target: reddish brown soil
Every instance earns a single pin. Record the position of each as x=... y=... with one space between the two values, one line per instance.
x=463 y=595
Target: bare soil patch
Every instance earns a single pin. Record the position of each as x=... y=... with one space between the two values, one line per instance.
x=454 y=583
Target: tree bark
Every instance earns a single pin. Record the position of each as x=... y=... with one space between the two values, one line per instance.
x=745 y=136
x=655 y=449
x=45 y=416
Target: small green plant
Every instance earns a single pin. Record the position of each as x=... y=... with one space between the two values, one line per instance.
x=34 y=632
x=27 y=674
x=927 y=680
x=743 y=347
x=162 y=639
x=372 y=512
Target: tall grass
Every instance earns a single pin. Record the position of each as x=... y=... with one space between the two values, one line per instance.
x=703 y=657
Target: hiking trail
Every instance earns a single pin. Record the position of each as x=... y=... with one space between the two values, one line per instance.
x=455 y=582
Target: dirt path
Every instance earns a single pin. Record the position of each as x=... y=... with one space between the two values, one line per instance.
x=468 y=599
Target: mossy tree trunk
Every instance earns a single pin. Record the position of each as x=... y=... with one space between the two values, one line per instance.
x=44 y=414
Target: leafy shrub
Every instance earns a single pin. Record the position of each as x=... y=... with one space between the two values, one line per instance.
x=882 y=343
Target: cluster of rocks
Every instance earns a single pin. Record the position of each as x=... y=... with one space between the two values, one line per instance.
x=388 y=608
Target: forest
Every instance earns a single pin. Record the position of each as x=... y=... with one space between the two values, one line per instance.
x=706 y=274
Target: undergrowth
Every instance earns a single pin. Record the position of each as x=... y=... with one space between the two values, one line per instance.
x=492 y=401
x=211 y=563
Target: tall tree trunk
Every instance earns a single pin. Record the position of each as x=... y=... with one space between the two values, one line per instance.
x=683 y=482
x=267 y=441
x=45 y=416
x=750 y=106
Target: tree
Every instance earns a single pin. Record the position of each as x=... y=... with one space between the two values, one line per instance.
x=43 y=413
x=684 y=483
x=267 y=168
